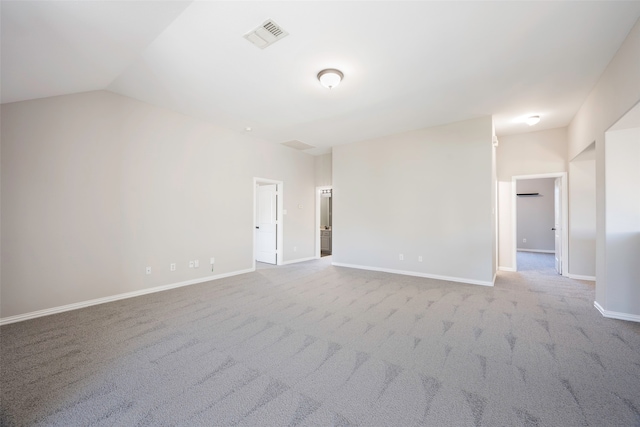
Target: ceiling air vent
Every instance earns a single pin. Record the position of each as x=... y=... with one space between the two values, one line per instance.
x=266 y=34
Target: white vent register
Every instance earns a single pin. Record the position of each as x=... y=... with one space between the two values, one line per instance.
x=266 y=34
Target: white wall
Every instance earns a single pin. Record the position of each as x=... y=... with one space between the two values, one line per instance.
x=97 y=186
x=532 y=153
x=622 y=166
x=582 y=213
x=615 y=93
x=422 y=193
x=536 y=215
x=323 y=170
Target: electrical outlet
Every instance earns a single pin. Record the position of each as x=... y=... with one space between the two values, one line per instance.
x=172 y=267
x=401 y=257
x=148 y=270
x=212 y=260
x=420 y=258
x=295 y=249
x=196 y=263
x=191 y=264
x=524 y=240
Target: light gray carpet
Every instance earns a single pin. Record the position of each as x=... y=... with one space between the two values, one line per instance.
x=313 y=344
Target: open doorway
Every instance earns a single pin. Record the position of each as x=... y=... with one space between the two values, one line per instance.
x=267 y=221
x=540 y=221
x=324 y=221
x=617 y=289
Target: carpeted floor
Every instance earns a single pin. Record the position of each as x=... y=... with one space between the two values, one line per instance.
x=313 y=344
x=536 y=262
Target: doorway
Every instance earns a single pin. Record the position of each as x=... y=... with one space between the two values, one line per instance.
x=324 y=221
x=267 y=221
x=551 y=243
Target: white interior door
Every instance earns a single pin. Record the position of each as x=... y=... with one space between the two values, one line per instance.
x=557 y=227
x=266 y=223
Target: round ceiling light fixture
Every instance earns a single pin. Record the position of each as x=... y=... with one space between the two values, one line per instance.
x=532 y=120
x=330 y=77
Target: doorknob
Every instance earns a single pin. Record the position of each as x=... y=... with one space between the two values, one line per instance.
x=554 y=229
x=259 y=227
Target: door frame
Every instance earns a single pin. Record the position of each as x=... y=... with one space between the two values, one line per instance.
x=279 y=218
x=564 y=209
x=318 y=236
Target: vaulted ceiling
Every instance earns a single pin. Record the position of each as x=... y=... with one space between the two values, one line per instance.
x=407 y=65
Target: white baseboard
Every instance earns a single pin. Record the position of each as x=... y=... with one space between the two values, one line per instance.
x=295 y=261
x=506 y=269
x=580 y=277
x=540 y=251
x=416 y=274
x=83 y=304
x=616 y=315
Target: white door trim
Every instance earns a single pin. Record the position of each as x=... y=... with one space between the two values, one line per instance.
x=318 y=237
x=565 y=217
x=279 y=216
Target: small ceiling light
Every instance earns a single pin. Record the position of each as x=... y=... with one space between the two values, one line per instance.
x=330 y=78
x=532 y=120
x=248 y=129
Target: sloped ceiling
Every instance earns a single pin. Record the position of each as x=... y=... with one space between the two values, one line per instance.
x=407 y=65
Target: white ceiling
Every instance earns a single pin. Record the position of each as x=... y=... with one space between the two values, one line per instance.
x=407 y=65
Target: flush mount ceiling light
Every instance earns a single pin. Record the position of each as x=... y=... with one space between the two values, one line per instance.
x=330 y=77
x=532 y=120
